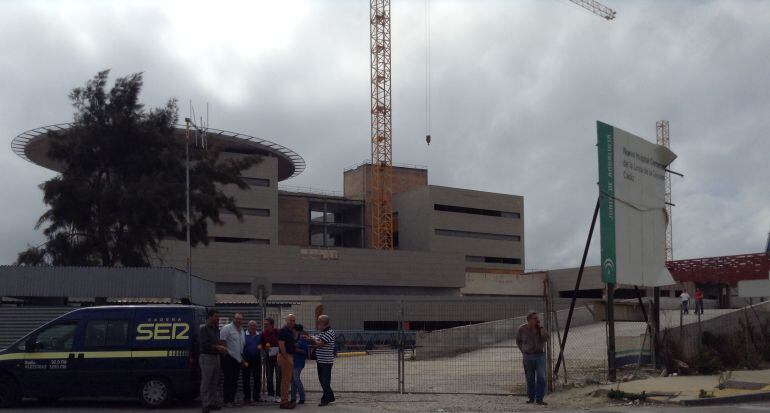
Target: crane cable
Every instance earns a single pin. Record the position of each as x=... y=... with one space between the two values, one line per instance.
x=427 y=72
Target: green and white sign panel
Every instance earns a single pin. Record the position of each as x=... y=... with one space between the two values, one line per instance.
x=632 y=208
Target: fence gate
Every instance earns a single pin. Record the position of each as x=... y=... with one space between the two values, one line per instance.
x=428 y=345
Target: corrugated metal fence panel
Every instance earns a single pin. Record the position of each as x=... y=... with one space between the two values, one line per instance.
x=128 y=282
x=15 y=322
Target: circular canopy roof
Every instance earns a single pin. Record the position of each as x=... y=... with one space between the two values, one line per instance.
x=33 y=145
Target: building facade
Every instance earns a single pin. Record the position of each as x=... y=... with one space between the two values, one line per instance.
x=313 y=243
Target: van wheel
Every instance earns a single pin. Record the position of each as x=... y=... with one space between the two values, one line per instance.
x=155 y=392
x=10 y=393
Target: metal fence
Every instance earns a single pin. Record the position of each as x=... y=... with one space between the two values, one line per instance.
x=434 y=345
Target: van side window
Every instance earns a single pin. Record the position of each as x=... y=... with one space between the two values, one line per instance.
x=58 y=337
x=106 y=333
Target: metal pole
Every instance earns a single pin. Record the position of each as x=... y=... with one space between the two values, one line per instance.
x=401 y=349
x=549 y=326
x=646 y=320
x=655 y=324
x=577 y=286
x=611 y=371
x=681 y=321
x=641 y=303
x=187 y=201
x=324 y=223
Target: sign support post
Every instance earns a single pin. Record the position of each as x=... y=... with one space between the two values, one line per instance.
x=611 y=370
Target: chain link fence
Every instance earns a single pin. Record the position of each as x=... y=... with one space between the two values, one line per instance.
x=430 y=345
x=451 y=345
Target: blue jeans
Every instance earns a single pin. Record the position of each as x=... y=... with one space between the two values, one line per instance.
x=296 y=384
x=534 y=371
x=685 y=305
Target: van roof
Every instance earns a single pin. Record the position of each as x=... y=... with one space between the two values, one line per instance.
x=142 y=306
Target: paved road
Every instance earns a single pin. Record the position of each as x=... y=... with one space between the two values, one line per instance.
x=734 y=408
x=358 y=407
x=123 y=406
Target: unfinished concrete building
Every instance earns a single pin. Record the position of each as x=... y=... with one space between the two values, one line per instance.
x=312 y=243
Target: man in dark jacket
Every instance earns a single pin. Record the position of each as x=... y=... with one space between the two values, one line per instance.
x=210 y=349
x=531 y=339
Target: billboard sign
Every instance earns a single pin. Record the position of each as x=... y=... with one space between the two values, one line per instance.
x=632 y=208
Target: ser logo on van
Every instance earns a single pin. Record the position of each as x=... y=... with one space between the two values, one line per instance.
x=163 y=329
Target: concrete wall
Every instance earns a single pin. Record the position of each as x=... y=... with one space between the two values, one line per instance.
x=241 y=263
x=418 y=222
x=503 y=284
x=415 y=214
x=564 y=280
x=689 y=335
x=356 y=186
x=350 y=313
x=457 y=340
x=255 y=227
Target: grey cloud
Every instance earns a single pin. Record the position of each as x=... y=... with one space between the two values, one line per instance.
x=516 y=90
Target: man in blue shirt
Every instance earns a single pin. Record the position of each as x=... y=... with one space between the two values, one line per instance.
x=252 y=367
x=300 y=355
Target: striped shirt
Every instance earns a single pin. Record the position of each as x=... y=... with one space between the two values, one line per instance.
x=325 y=353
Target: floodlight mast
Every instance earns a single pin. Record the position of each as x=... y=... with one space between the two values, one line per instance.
x=188 y=123
x=188 y=261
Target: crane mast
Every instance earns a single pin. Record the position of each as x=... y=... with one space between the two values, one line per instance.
x=662 y=135
x=381 y=126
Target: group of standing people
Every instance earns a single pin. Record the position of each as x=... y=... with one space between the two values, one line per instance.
x=684 y=297
x=238 y=353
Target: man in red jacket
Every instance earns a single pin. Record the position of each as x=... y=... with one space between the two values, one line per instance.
x=698 y=301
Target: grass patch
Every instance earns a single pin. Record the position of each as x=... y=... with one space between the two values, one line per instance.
x=621 y=395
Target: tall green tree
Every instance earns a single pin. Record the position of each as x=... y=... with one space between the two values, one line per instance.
x=122 y=187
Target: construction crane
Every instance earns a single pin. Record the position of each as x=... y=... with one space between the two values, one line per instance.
x=381 y=179
x=381 y=126
x=661 y=132
x=596 y=8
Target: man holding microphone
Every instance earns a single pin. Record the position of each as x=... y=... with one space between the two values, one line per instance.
x=531 y=339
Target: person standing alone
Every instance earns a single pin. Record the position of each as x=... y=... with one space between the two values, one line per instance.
x=325 y=344
x=235 y=340
x=210 y=349
x=531 y=339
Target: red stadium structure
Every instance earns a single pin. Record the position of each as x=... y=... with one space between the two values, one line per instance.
x=717 y=276
x=721 y=270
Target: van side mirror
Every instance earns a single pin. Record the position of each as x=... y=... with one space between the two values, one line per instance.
x=29 y=345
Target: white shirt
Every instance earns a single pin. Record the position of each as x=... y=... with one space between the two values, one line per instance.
x=235 y=340
x=685 y=296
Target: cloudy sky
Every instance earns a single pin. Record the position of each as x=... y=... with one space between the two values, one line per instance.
x=517 y=87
